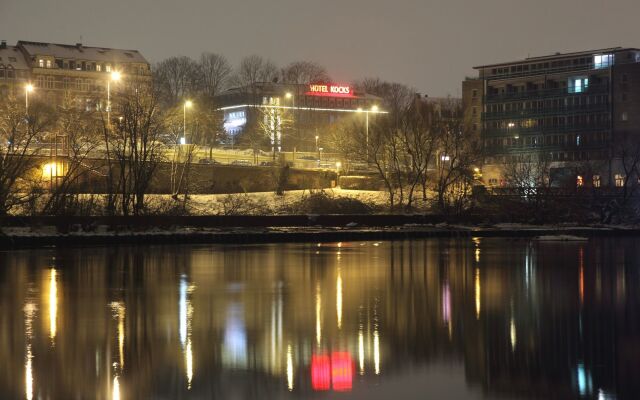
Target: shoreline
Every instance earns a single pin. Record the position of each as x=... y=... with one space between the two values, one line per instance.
x=46 y=236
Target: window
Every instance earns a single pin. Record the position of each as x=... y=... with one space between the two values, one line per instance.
x=98 y=67
x=48 y=63
x=596 y=181
x=578 y=84
x=579 y=181
x=41 y=63
x=602 y=61
x=474 y=93
x=578 y=140
x=474 y=110
x=619 y=180
x=625 y=116
x=107 y=68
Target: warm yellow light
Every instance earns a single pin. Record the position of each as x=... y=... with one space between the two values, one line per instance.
x=115 y=76
x=359 y=109
x=52 y=170
x=289 y=368
x=53 y=303
x=188 y=103
x=374 y=108
x=338 y=164
x=288 y=95
x=339 y=299
x=29 y=88
x=476 y=170
x=317 y=137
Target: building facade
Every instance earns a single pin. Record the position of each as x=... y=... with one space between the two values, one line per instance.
x=570 y=110
x=291 y=115
x=73 y=75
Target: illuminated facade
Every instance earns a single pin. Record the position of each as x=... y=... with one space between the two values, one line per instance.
x=568 y=109
x=75 y=75
x=292 y=115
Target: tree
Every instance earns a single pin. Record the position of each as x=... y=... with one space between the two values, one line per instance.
x=214 y=73
x=136 y=146
x=176 y=79
x=304 y=72
x=254 y=69
x=22 y=134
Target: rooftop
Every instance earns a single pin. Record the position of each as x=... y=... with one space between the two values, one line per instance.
x=10 y=53
x=81 y=52
x=561 y=56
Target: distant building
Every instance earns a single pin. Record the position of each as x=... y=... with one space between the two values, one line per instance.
x=568 y=108
x=297 y=113
x=70 y=74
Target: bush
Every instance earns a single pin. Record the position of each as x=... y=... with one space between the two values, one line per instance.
x=323 y=203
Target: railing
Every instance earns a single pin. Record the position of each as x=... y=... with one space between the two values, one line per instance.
x=546 y=129
x=544 y=93
x=531 y=113
x=544 y=71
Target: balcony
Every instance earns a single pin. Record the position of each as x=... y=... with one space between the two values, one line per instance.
x=545 y=112
x=508 y=132
x=544 y=93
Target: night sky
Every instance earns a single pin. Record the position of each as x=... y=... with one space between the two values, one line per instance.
x=430 y=45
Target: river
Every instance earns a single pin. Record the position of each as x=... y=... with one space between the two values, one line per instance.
x=478 y=318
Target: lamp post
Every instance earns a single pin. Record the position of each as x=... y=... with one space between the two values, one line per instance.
x=290 y=96
x=374 y=109
x=27 y=89
x=187 y=104
x=115 y=77
x=317 y=137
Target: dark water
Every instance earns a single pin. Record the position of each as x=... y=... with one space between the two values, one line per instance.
x=441 y=318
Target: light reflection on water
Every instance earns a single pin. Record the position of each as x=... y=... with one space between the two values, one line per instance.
x=464 y=318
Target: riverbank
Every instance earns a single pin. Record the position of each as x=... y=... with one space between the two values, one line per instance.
x=316 y=229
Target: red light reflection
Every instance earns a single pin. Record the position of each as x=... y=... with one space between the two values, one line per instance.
x=337 y=370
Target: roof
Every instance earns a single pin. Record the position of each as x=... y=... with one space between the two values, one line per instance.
x=80 y=52
x=9 y=53
x=561 y=56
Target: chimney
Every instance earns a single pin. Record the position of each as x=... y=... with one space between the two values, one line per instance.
x=3 y=44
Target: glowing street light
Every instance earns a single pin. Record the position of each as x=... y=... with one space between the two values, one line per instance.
x=288 y=95
x=187 y=104
x=374 y=109
x=114 y=77
x=27 y=89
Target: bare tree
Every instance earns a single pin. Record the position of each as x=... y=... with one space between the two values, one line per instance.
x=21 y=136
x=136 y=147
x=176 y=78
x=303 y=72
x=214 y=71
x=254 y=69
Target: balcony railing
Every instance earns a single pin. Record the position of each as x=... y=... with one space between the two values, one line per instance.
x=544 y=112
x=544 y=93
x=508 y=132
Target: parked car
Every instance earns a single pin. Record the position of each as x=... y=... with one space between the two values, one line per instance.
x=267 y=163
x=208 y=161
x=241 y=162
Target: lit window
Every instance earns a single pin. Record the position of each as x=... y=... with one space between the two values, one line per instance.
x=41 y=63
x=602 y=61
x=98 y=67
x=625 y=116
x=579 y=181
x=48 y=63
x=619 y=178
x=596 y=181
x=578 y=140
x=578 y=84
x=107 y=68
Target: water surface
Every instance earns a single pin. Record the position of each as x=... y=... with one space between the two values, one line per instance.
x=438 y=318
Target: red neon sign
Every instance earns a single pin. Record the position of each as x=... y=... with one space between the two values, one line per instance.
x=331 y=90
x=337 y=370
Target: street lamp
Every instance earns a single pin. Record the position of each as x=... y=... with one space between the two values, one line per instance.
x=374 y=109
x=27 y=89
x=115 y=77
x=317 y=137
x=187 y=104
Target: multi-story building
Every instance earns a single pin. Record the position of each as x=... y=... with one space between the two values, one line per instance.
x=569 y=109
x=299 y=112
x=14 y=70
x=68 y=74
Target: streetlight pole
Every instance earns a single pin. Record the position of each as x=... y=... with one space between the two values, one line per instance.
x=317 y=148
x=27 y=89
x=187 y=104
x=115 y=77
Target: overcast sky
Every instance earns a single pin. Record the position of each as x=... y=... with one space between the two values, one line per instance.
x=430 y=45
